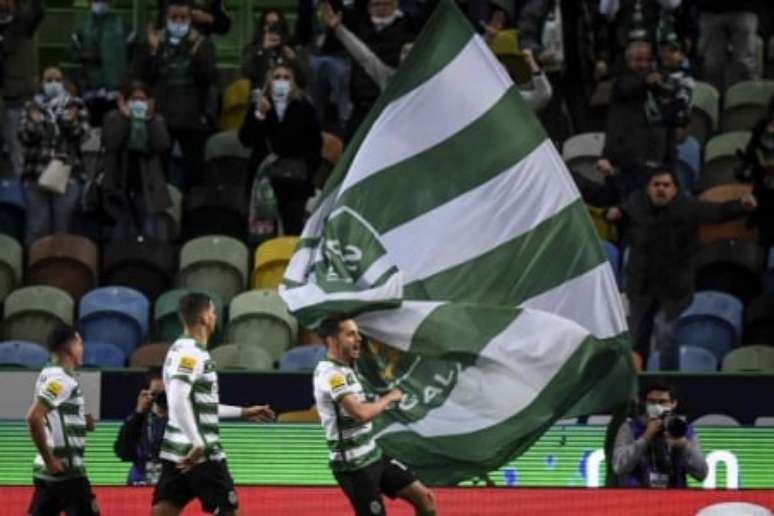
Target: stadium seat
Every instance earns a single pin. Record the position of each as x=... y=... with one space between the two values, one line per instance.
x=734 y=509
x=236 y=101
x=118 y=315
x=102 y=354
x=20 y=353
x=227 y=161
x=689 y=154
x=697 y=360
x=654 y=361
x=149 y=355
x=170 y=220
x=606 y=230
x=65 y=261
x=10 y=265
x=731 y=266
x=736 y=229
x=704 y=113
x=217 y=263
x=271 y=260
x=166 y=322
x=241 y=356
x=215 y=210
x=764 y=421
x=142 y=264
x=745 y=104
x=581 y=153
x=721 y=160
x=750 y=358
x=261 y=318
x=30 y=313
x=301 y=359
x=309 y=415
x=715 y=420
x=759 y=320
x=712 y=322
x=13 y=209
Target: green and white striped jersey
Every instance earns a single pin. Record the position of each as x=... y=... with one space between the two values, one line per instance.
x=189 y=361
x=351 y=444
x=59 y=390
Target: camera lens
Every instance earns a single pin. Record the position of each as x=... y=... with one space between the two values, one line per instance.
x=675 y=426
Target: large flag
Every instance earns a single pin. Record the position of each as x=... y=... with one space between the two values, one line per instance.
x=453 y=231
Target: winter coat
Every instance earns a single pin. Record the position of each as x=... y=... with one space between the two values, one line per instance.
x=19 y=70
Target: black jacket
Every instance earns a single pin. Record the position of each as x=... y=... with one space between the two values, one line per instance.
x=664 y=242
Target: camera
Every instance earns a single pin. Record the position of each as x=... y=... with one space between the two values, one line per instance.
x=160 y=399
x=674 y=425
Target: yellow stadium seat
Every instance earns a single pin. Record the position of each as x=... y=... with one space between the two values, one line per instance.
x=606 y=230
x=271 y=259
x=236 y=100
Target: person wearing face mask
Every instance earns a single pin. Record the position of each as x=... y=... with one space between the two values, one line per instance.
x=101 y=45
x=178 y=64
x=282 y=129
x=658 y=449
x=207 y=16
x=135 y=140
x=758 y=159
x=53 y=126
x=19 y=20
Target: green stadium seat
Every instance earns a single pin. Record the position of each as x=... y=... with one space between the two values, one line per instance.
x=749 y=358
x=10 y=265
x=166 y=321
x=261 y=318
x=31 y=313
x=581 y=153
x=227 y=160
x=745 y=104
x=704 y=113
x=215 y=262
x=172 y=218
x=720 y=159
x=65 y=261
x=241 y=356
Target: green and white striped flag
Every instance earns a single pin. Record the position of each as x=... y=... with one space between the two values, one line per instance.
x=453 y=231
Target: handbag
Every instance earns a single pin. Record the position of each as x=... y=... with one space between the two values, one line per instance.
x=55 y=177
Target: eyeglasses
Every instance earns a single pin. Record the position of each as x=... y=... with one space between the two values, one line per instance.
x=52 y=79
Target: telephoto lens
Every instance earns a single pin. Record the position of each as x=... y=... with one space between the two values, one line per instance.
x=675 y=426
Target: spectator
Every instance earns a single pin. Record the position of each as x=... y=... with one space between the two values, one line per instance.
x=139 y=439
x=271 y=46
x=101 y=45
x=135 y=139
x=631 y=138
x=662 y=228
x=18 y=22
x=658 y=449
x=179 y=66
x=329 y=62
x=384 y=31
x=53 y=126
x=724 y=24
x=207 y=16
x=282 y=129
x=759 y=160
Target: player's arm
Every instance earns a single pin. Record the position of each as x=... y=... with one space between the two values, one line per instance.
x=253 y=413
x=361 y=411
x=36 y=422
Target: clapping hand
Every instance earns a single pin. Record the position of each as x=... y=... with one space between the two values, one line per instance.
x=258 y=413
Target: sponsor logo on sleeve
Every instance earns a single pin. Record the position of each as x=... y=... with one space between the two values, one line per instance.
x=186 y=364
x=337 y=382
x=53 y=388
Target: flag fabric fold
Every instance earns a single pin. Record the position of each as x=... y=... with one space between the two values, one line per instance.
x=453 y=232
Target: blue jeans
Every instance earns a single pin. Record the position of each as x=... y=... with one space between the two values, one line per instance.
x=332 y=79
x=48 y=212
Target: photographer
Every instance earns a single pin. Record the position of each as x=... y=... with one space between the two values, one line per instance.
x=658 y=449
x=140 y=437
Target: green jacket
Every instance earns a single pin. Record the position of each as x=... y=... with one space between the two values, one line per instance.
x=101 y=45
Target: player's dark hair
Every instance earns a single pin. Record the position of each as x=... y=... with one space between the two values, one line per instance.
x=330 y=326
x=192 y=306
x=153 y=374
x=660 y=386
x=60 y=337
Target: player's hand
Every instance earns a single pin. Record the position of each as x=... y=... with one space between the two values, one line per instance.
x=655 y=426
x=144 y=401
x=202 y=17
x=190 y=460
x=153 y=36
x=653 y=78
x=331 y=18
x=613 y=214
x=258 y=413
x=36 y=115
x=263 y=105
x=394 y=396
x=54 y=465
x=91 y=423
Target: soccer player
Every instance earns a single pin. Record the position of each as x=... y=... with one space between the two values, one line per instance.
x=58 y=425
x=193 y=462
x=358 y=464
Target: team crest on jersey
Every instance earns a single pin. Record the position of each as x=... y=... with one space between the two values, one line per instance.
x=337 y=381
x=54 y=388
x=186 y=364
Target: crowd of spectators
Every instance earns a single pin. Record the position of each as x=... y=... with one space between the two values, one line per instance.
x=627 y=67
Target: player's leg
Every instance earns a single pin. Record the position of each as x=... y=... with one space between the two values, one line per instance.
x=81 y=500
x=172 y=492
x=46 y=500
x=212 y=483
x=362 y=489
x=400 y=482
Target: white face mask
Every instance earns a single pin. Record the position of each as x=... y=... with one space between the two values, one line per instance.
x=53 y=90
x=178 y=31
x=138 y=109
x=100 y=8
x=280 y=89
x=382 y=22
x=654 y=410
